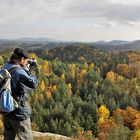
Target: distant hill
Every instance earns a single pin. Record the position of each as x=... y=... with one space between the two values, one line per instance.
x=135 y=45
x=117 y=45
x=35 y=40
x=82 y=53
x=113 y=42
x=73 y=53
x=48 y=43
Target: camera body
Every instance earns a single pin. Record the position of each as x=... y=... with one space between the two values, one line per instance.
x=32 y=62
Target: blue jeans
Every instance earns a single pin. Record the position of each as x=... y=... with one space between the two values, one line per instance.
x=20 y=128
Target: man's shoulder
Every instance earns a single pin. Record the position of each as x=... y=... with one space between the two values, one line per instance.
x=13 y=68
x=8 y=66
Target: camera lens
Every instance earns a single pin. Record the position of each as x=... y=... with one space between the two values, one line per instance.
x=32 y=62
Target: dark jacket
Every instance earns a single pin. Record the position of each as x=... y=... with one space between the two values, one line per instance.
x=22 y=83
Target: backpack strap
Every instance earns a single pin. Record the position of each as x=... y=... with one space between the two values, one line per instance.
x=13 y=69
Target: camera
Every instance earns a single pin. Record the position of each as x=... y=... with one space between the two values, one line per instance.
x=32 y=62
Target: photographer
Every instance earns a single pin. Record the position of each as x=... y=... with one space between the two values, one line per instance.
x=18 y=121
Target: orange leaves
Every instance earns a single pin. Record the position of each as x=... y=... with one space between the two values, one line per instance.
x=128 y=71
x=110 y=76
x=113 y=77
x=53 y=88
x=130 y=117
x=123 y=69
x=105 y=127
x=82 y=59
x=84 y=135
x=103 y=122
x=1 y=123
x=49 y=94
x=136 y=123
x=1 y=126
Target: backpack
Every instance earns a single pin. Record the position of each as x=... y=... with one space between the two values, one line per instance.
x=7 y=102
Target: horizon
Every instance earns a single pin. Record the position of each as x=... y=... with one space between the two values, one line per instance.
x=56 y=40
x=69 y=20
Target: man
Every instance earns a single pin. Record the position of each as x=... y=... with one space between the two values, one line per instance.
x=18 y=122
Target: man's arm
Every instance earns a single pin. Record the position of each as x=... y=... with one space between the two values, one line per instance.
x=28 y=80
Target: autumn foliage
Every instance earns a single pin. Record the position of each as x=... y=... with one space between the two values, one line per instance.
x=86 y=93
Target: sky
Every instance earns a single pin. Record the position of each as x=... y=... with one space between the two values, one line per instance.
x=70 y=20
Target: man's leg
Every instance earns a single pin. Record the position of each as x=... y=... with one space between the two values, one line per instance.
x=23 y=130
x=9 y=133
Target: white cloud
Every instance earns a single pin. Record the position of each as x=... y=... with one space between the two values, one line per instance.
x=69 y=18
x=126 y=2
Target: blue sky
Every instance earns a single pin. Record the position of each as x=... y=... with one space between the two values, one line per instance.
x=71 y=20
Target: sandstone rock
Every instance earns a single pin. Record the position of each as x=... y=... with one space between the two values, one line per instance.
x=49 y=136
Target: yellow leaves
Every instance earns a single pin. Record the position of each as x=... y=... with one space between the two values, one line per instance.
x=42 y=85
x=72 y=66
x=72 y=70
x=45 y=67
x=1 y=60
x=62 y=77
x=85 y=66
x=45 y=63
x=101 y=120
x=69 y=89
x=136 y=135
x=110 y=76
x=83 y=72
x=69 y=86
x=120 y=78
x=33 y=55
x=91 y=67
x=103 y=112
x=40 y=97
x=98 y=70
x=97 y=83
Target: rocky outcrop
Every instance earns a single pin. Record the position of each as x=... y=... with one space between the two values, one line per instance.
x=49 y=136
x=46 y=136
